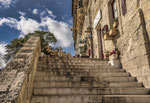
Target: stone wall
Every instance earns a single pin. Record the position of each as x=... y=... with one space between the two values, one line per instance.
x=16 y=80
x=108 y=45
x=133 y=37
x=95 y=7
x=133 y=42
x=135 y=49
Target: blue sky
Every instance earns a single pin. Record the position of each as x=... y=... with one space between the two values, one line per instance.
x=19 y=17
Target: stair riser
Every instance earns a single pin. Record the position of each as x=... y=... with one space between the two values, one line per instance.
x=77 y=59
x=126 y=100
x=75 y=66
x=84 y=74
x=76 y=84
x=80 y=70
x=78 y=67
x=71 y=61
x=78 y=79
x=62 y=79
x=67 y=99
x=91 y=91
x=55 y=72
x=90 y=99
x=69 y=85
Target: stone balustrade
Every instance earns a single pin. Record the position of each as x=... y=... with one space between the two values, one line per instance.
x=16 y=80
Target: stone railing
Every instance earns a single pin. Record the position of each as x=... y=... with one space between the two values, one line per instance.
x=16 y=80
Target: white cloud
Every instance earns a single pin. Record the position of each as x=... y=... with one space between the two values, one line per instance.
x=2 y=53
x=60 y=29
x=26 y=25
x=2 y=47
x=44 y=13
x=8 y=21
x=51 y=13
x=35 y=11
x=5 y=3
x=22 y=13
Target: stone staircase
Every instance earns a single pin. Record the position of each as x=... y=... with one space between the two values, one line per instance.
x=60 y=80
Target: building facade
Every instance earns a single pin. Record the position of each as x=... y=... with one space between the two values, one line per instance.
x=101 y=26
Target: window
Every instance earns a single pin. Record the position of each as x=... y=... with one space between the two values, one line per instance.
x=114 y=9
x=123 y=5
x=80 y=4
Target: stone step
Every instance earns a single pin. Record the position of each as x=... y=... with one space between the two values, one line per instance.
x=67 y=99
x=86 y=84
x=119 y=74
x=78 y=62
x=75 y=66
x=66 y=84
x=47 y=78
x=77 y=59
x=70 y=60
x=78 y=67
x=92 y=99
x=73 y=63
x=79 y=79
x=126 y=99
x=63 y=71
x=115 y=74
x=81 y=70
x=120 y=79
x=58 y=58
x=91 y=91
x=125 y=84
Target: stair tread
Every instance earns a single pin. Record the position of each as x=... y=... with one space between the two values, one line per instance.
x=85 y=74
x=92 y=99
x=44 y=78
x=76 y=84
x=93 y=90
x=72 y=95
x=68 y=99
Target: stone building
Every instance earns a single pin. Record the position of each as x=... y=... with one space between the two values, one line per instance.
x=100 y=26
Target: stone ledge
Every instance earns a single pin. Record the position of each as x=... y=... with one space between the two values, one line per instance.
x=17 y=77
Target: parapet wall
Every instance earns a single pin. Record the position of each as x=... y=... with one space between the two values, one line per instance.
x=16 y=80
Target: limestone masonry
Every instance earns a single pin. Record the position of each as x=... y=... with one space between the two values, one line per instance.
x=16 y=80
